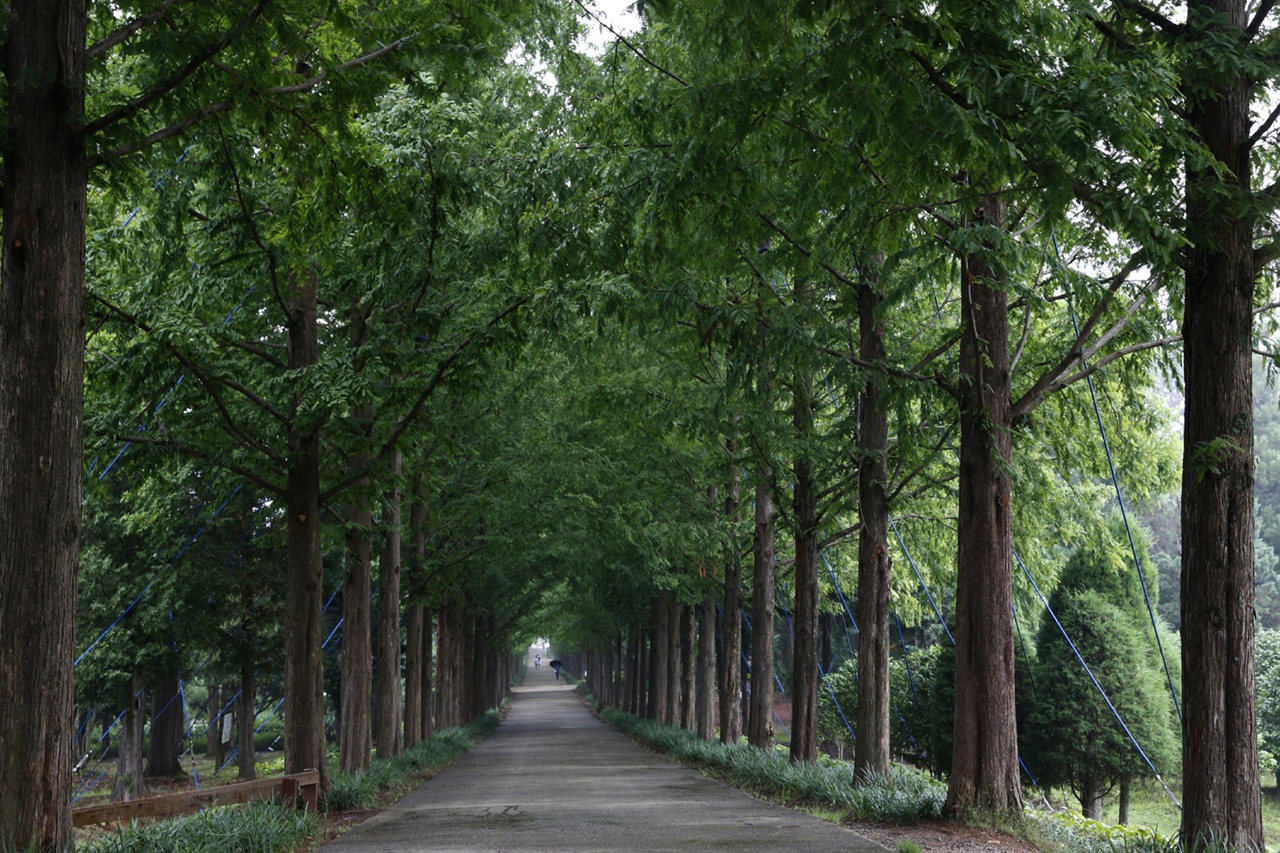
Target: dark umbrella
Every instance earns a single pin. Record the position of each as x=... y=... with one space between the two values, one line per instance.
x=555 y=664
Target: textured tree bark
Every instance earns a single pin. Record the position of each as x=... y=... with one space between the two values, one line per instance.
x=634 y=677
x=984 y=766
x=675 y=654
x=731 y=621
x=659 y=651
x=42 y=333
x=355 y=723
x=688 y=668
x=390 y=716
x=213 y=739
x=1221 y=788
x=804 y=664
x=1091 y=800
x=871 y=750
x=304 y=746
x=428 y=700
x=706 y=710
x=245 y=714
x=164 y=753
x=445 y=715
x=618 y=659
x=129 y=769
x=417 y=710
x=414 y=674
x=760 y=724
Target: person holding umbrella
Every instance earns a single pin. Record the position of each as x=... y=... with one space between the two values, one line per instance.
x=555 y=664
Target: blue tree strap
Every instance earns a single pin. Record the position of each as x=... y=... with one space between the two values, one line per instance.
x=1092 y=678
x=923 y=585
x=1124 y=513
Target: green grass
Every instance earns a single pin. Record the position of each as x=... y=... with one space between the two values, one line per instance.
x=388 y=778
x=903 y=796
x=1154 y=822
x=265 y=827
x=261 y=827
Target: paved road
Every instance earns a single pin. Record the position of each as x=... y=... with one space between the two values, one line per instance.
x=553 y=778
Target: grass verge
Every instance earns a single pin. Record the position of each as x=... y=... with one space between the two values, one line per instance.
x=903 y=795
x=265 y=827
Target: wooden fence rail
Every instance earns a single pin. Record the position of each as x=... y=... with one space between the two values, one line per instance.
x=304 y=787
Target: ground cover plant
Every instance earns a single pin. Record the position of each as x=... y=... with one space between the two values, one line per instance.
x=265 y=827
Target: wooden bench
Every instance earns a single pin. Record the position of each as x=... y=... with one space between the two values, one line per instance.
x=304 y=787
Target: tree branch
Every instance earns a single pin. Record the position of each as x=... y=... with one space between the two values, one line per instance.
x=1265 y=254
x=1035 y=395
x=1151 y=16
x=1263 y=128
x=442 y=369
x=120 y=35
x=309 y=84
x=1261 y=15
x=160 y=135
x=210 y=386
x=250 y=474
x=1104 y=361
x=631 y=47
x=193 y=64
x=836 y=274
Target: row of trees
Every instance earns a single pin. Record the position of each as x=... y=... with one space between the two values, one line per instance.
x=613 y=328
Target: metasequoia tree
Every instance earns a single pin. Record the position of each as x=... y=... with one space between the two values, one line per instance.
x=1221 y=787
x=226 y=60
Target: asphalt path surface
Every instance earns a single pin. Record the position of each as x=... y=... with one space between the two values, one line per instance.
x=554 y=778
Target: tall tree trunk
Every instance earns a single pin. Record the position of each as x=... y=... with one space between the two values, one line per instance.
x=659 y=651
x=414 y=673
x=444 y=677
x=804 y=661
x=428 y=700
x=213 y=739
x=635 y=678
x=675 y=642
x=1221 y=787
x=984 y=765
x=129 y=770
x=354 y=724
x=760 y=724
x=247 y=711
x=417 y=623
x=1123 y=817
x=731 y=623
x=42 y=328
x=390 y=716
x=618 y=659
x=871 y=750
x=304 y=746
x=164 y=756
x=1091 y=799
x=706 y=713
x=688 y=668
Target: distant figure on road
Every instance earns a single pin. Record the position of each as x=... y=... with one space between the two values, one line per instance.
x=555 y=664
x=537 y=661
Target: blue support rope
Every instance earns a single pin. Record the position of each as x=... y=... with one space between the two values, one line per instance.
x=1092 y=678
x=182 y=691
x=911 y=679
x=112 y=625
x=825 y=683
x=747 y=663
x=1124 y=514
x=920 y=578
